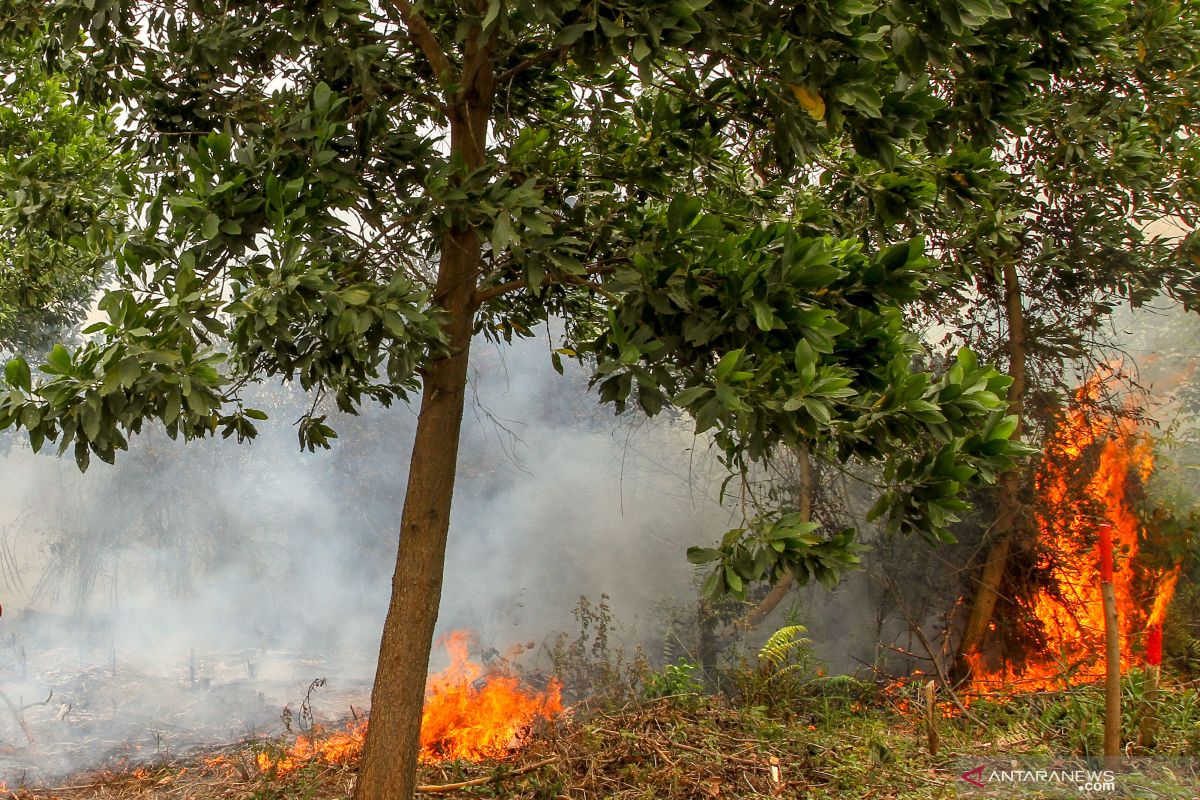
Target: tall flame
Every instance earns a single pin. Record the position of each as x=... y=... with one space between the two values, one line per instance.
x=1073 y=505
x=471 y=713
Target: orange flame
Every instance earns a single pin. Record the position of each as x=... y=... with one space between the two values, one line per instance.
x=471 y=713
x=1069 y=608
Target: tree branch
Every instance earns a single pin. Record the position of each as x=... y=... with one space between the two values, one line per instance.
x=426 y=39
x=439 y=788
x=492 y=292
x=545 y=55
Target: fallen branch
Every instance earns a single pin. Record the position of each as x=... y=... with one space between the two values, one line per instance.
x=19 y=717
x=924 y=640
x=49 y=697
x=711 y=753
x=441 y=788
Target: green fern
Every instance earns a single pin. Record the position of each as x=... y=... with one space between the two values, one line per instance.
x=785 y=652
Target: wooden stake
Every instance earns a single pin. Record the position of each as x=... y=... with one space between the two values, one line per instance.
x=931 y=718
x=1148 y=728
x=1112 y=646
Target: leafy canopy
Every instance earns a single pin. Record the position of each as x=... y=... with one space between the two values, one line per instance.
x=643 y=180
x=61 y=207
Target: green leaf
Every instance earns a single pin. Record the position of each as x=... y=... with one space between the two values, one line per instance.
x=83 y=456
x=572 y=33
x=502 y=233
x=128 y=372
x=764 y=318
x=714 y=585
x=322 y=95
x=355 y=297
x=211 y=226
x=493 y=11
x=17 y=373
x=682 y=211
x=702 y=555
x=1005 y=428
x=689 y=396
x=733 y=580
x=59 y=359
x=728 y=362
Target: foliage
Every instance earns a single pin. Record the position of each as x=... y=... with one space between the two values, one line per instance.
x=785 y=652
x=318 y=203
x=585 y=664
x=672 y=680
x=62 y=200
x=338 y=194
x=1092 y=197
x=780 y=678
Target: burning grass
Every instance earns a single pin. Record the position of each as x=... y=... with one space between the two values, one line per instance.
x=472 y=712
x=835 y=738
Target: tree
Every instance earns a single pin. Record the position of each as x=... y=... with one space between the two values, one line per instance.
x=1055 y=231
x=60 y=210
x=344 y=194
x=1050 y=228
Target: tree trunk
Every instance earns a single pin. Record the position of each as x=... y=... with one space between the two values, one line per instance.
x=711 y=644
x=1009 y=495
x=387 y=770
x=784 y=585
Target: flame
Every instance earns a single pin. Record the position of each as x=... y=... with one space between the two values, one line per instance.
x=1162 y=597
x=1069 y=607
x=336 y=747
x=471 y=713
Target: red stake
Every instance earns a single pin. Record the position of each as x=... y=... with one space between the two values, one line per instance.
x=1154 y=645
x=1106 y=553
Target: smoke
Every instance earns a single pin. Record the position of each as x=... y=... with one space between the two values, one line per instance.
x=184 y=595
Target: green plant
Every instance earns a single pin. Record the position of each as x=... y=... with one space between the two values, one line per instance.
x=650 y=174
x=785 y=653
x=784 y=665
x=585 y=664
x=673 y=680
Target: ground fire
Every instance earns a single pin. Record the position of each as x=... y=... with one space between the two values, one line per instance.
x=471 y=713
x=1086 y=484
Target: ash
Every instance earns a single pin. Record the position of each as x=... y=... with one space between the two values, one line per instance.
x=64 y=709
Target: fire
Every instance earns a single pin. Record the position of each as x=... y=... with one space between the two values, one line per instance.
x=471 y=713
x=1074 y=504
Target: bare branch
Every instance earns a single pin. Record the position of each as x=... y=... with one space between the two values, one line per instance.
x=426 y=39
x=545 y=55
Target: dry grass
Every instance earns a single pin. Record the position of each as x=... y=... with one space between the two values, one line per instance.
x=823 y=745
x=655 y=750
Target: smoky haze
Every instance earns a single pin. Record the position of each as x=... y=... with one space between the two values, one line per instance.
x=183 y=596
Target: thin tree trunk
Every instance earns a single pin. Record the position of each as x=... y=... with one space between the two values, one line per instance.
x=1009 y=495
x=781 y=589
x=387 y=770
x=711 y=644
x=388 y=767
